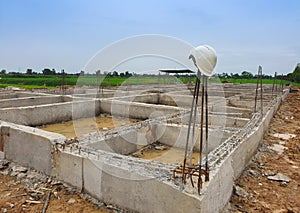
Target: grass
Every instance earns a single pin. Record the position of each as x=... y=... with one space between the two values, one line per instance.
x=41 y=81
x=54 y=81
x=254 y=81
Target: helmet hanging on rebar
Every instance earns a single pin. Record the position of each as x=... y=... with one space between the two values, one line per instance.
x=204 y=58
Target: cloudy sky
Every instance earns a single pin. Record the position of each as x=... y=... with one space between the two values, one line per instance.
x=66 y=34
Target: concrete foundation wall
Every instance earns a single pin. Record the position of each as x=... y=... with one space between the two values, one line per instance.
x=69 y=168
x=135 y=110
x=134 y=184
x=31 y=101
x=29 y=146
x=13 y=94
x=176 y=136
x=145 y=196
x=184 y=100
x=219 y=120
x=122 y=187
x=150 y=98
x=218 y=190
x=122 y=144
x=52 y=113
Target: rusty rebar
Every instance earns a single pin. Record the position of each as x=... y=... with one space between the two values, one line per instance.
x=281 y=83
x=201 y=134
x=255 y=100
x=261 y=91
x=194 y=121
x=189 y=126
x=259 y=84
x=206 y=125
x=274 y=82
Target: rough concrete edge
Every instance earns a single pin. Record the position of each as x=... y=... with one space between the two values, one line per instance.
x=264 y=124
x=52 y=138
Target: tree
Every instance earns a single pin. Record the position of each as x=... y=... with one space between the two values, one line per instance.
x=289 y=77
x=47 y=71
x=296 y=73
x=29 y=71
x=127 y=74
x=115 y=73
x=3 y=71
x=53 y=72
x=223 y=75
x=235 y=76
x=246 y=75
x=98 y=73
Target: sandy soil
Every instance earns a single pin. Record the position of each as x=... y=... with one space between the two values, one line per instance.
x=163 y=153
x=79 y=127
x=255 y=190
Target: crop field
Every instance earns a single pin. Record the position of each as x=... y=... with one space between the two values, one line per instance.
x=41 y=81
x=54 y=81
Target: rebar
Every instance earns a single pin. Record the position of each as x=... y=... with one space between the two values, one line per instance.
x=281 y=83
x=63 y=82
x=189 y=126
x=259 y=81
x=261 y=90
x=274 y=82
x=206 y=125
x=191 y=169
x=194 y=119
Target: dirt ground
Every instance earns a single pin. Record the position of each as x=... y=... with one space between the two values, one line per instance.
x=83 y=126
x=260 y=189
x=25 y=190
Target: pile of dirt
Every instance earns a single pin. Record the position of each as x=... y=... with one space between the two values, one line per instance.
x=271 y=183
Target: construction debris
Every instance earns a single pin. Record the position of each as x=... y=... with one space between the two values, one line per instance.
x=280 y=177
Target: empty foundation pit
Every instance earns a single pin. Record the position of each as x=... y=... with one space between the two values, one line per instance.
x=134 y=139
x=100 y=123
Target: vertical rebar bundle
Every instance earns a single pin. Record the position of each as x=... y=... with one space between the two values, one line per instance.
x=205 y=59
x=191 y=169
x=259 y=84
x=274 y=83
x=63 y=82
x=281 y=83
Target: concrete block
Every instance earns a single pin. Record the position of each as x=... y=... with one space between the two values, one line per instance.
x=23 y=146
x=149 y=195
x=135 y=110
x=122 y=144
x=69 y=168
x=92 y=173
x=51 y=113
x=218 y=190
x=176 y=136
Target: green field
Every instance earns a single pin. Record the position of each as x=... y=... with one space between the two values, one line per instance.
x=54 y=81
x=41 y=81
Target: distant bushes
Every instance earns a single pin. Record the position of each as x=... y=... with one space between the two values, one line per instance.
x=295 y=75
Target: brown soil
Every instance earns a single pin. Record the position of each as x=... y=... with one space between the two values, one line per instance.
x=165 y=154
x=79 y=127
x=260 y=193
x=16 y=196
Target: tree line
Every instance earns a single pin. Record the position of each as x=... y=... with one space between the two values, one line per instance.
x=293 y=76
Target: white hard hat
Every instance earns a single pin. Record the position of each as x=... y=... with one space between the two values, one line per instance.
x=205 y=59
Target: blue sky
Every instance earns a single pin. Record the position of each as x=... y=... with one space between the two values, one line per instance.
x=66 y=34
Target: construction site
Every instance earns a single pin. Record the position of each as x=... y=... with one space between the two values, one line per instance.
x=126 y=145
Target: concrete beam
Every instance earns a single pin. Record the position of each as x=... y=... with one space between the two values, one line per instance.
x=51 y=113
x=135 y=110
x=28 y=146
